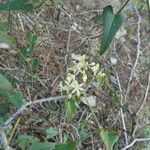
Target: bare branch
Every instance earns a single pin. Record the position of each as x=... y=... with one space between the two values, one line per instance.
x=3 y=140
x=136 y=140
x=145 y=96
x=24 y=106
x=137 y=54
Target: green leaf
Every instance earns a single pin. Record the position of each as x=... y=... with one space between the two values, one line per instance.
x=112 y=23
x=16 y=5
x=26 y=51
x=3 y=109
x=5 y=38
x=109 y=138
x=66 y=146
x=51 y=132
x=70 y=108
x=4 y=26
x=42 y=146
x=6 y=92
x=32 y=39
x=23 y=54
x=25 y=140
x=97 y=18
x=15 y=99
x=5 y=85
x=33 y=63
x=4 y=113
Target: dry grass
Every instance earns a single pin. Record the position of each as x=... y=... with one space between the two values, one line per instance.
x=53 y=25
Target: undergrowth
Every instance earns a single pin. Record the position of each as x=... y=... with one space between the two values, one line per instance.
x=72 y=78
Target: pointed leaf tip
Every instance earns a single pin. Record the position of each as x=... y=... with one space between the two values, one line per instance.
x=112 y=23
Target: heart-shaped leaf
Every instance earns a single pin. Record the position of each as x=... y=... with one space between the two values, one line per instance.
x=109 y=138
x=16 y=5
x=112 y=23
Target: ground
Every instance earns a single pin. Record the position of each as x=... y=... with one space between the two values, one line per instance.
x=67 y=27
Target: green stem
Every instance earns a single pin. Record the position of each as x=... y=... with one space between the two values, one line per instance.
x=92 y=111
x=123 y=6
x=94 y=115
x=13 y=131
x=148 y=8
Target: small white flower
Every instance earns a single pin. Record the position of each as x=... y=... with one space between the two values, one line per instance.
x=101 y=78
x=84 y=76
x=80 y=63
x=94 y=67
x=70 y=77
x=62 y=87
x=77 y=88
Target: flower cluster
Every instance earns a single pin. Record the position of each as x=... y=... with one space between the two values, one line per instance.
x=75 y=86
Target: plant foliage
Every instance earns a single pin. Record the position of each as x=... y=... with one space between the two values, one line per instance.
x=112 y=23
x=16 y=5
x=109 y=138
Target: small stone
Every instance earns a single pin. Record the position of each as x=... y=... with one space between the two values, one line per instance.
x=113 y=60
x=4 y=46
x=113 y=80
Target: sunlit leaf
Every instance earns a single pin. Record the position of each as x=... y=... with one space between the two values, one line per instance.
x=109 y=138
x=112 y=23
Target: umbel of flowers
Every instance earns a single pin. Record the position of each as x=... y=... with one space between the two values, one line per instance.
x=80 y=75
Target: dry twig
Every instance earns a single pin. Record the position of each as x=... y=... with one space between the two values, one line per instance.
x=136 y=140
x=137 y=54
x=24 y=106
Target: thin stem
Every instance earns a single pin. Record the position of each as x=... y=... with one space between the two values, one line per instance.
x=136 y=140
x=123 y=6
x=13 y=131
x=92 y=111
x=24 y=106
x=148 y=8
